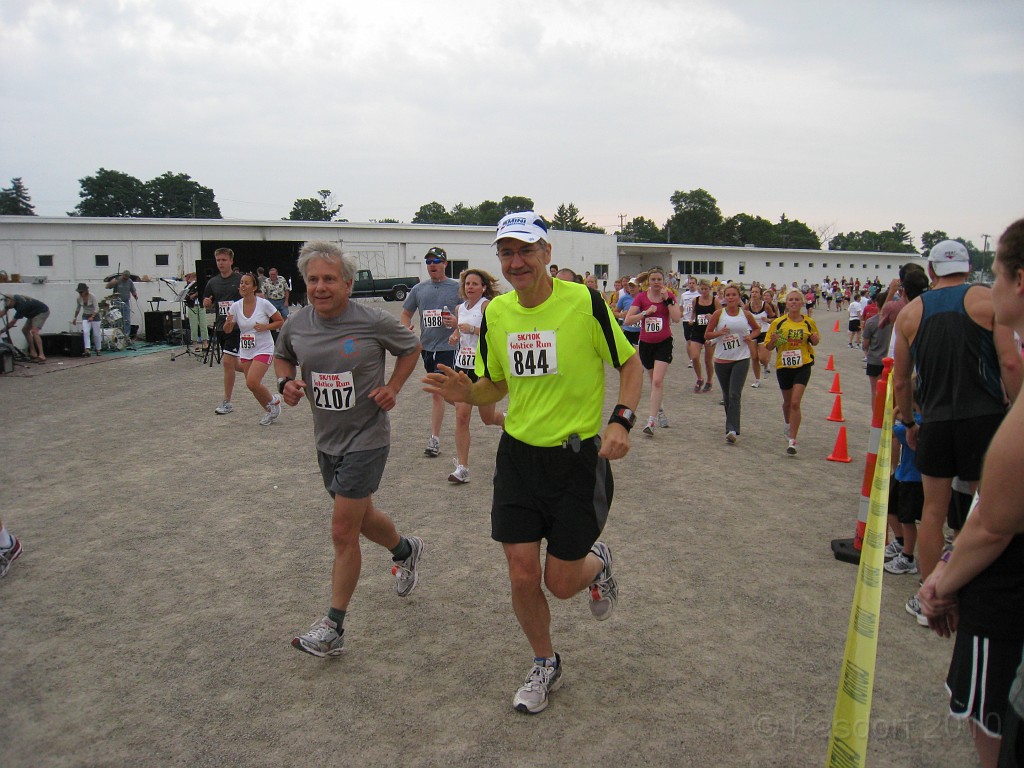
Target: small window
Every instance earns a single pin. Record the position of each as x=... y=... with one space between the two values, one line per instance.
x=863 y=266
x=888 y=266
x=162 y=259
x=743 y=267
x=781 y=264
x=796 y=264
x=839 y=266
x=102 y=260
x=767 y=263
x=876 y=266
x=852 y=267
x=45 y=259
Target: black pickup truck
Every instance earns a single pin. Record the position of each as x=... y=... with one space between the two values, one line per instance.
x=388 y=288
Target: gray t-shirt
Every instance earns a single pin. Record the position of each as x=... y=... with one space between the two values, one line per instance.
x=124 y=289
x=430 y=299
x=342 y=361
x=90 y=307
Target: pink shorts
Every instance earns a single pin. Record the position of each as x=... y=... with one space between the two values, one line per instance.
x=265 y=359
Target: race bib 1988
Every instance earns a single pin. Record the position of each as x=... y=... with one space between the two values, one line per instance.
x=532 y=354
x=432 y=318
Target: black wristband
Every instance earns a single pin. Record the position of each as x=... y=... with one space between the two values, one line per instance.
x=282 y=383
x=623 y=416
x=908 y=424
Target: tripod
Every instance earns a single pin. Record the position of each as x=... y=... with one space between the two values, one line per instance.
x=213 y=352
x=187 y=342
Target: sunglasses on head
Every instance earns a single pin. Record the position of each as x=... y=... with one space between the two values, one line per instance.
x=434 y=261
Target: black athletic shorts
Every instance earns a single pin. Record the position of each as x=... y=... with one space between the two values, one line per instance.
x=229 y=341
x=551 y=493
x=687 y=330
x=959 y=506
x=790 y=376
x=955 y=448
x=633 y=337
x=979 y=679
x=873 y=370
x=469 y=372
x=854 y=325
x=909 y=501
x=656 y=351
x=431 y=359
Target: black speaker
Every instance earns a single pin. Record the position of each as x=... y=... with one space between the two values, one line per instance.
x=158 y=326
x=66 y=344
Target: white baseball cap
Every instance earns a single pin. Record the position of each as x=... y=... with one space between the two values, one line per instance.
x=949 y=258
x=525 y=225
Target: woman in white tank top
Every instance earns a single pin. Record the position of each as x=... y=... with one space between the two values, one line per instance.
x=477 y=287
x=731 y=329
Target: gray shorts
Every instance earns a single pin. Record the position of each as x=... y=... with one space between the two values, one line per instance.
x=37 y=320
x=355 y=475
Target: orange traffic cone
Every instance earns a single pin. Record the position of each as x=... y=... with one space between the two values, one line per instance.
x=837 y=410
x=831 y=366
x=839 y=452
x=835 y=386
x=836 y=329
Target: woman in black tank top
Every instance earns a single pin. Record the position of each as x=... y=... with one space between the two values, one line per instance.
x=704 y=306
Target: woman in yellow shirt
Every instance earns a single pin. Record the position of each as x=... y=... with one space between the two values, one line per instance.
x=793 y=337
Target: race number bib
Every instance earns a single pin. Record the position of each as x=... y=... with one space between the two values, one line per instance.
x=465 y=358
x=703 y=319
x=532 y=354
x=333 y=391
x=732 y=341
x=792 y=358
x=247 y=341
x=688 y=310
x=432 y=318
x=652 y=324
x=223 y=307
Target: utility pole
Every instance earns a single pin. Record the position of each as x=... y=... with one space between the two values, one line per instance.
x=622 y=221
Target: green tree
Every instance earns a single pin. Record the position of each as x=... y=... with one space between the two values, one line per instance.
x=567 y=217
x=112 y=194
x=319 y=208
x=432 y=213
x=790 y=233
x=928 y=239
x=641 y=230
x=178 y=196
x=895 y=240
x=514 y=204
x=15 y=200
x=745 y=229
x=697 y=219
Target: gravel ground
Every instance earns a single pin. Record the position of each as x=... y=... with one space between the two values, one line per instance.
x=171 y=554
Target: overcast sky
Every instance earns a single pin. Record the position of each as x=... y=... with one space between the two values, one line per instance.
x=853 y=114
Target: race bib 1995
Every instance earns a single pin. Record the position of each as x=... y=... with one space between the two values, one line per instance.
x=333 y=391
x=532 y=354
x=247 y=341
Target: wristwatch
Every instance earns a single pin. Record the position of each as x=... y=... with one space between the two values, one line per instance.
x=622 y=415
x=282 y=382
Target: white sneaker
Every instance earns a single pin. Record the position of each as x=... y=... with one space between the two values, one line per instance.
x=275 y=406
x=892 y=549
x=731 y=437
x=223 y=408
x=532 y=696
x=756 y=384
x=649 y=429
x=900 y=564
x=913 y=607
x=433 y=447
x=791 y=448
x=460 y=475
x=662 y=418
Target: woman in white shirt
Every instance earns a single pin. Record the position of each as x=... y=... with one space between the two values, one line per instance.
x=255 y=318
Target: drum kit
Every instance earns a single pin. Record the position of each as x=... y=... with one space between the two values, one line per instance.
x=112 y=323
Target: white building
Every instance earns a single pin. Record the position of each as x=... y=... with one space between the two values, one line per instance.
x=50 y=256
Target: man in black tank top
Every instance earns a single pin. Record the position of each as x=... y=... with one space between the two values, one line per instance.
x=963 y=361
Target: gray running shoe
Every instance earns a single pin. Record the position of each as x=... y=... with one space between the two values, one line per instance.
x=267 y=420
x=913 y=607
x=649 y=429
x=9 y=555
x=604 y=591
x=322 y=639
x=223 y=408
x=433 y=447
x=532 y=697
x=460 y=475
x=275 y=407
x=404 y=571
x=900 y=564
x=662 y=418
x=892 y=549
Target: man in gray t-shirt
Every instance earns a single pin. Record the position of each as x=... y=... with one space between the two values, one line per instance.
x=436 y=301
x=338 y=347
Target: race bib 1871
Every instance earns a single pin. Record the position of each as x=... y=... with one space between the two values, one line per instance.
x=532 y=354
x=333 y=391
